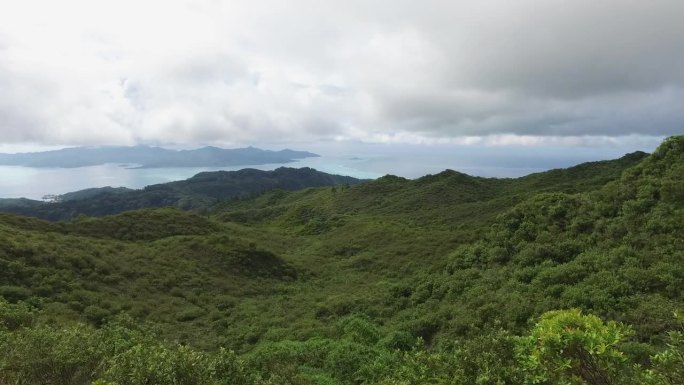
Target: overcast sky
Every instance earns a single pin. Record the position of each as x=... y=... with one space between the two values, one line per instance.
x=520 y=72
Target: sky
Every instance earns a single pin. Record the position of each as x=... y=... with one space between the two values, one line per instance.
x=465 y=72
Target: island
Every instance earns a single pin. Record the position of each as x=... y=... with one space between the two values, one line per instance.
x=153 y=157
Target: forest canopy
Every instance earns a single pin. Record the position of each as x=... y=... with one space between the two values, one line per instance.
x=572 y=276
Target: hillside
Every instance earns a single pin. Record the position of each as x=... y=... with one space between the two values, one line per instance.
x=196 y=193
x=564 y=277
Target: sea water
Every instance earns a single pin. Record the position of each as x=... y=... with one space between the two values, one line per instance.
x=365 y=161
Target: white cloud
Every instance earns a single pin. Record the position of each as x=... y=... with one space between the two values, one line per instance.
x=517 y=72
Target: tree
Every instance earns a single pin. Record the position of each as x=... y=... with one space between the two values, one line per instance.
x=567 y=347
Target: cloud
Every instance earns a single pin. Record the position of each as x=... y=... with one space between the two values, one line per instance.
x=236 y=72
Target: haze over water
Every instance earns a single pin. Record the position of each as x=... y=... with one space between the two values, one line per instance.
x=357 y=160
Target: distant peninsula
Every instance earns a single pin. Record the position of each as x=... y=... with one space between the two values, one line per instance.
x=153 y=157
x=197 y=193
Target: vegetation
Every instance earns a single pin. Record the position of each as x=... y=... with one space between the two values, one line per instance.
x=196 y=193
x=566 y=277
x=564 y=347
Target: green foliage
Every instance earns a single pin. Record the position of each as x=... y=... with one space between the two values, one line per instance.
x=197 y=193
x=341 y=360
x=14 y=316
x=564 y=347
x=142 y=225
x=419 y=367
x=122 y=352
x=177 y=365
x=567 y=347
x=668 y=365
x=392 y=281
x=48 y=355
x=359 y=329
x=14 y=293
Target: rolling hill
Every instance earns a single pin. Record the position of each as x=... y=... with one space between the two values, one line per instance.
x=196 y=193
x=569 y=276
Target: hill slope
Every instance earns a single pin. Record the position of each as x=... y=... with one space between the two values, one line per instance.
x=346 y=238
x=376 y=282
x=198 y=192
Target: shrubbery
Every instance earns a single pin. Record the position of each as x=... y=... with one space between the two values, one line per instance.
x=448 y=279
x=564 y=347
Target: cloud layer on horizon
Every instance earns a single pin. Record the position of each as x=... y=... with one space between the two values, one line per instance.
x=210 y=71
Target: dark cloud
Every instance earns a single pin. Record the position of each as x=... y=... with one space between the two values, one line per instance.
x=579 y=49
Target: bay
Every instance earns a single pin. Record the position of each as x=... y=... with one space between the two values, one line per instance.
x=366 y=161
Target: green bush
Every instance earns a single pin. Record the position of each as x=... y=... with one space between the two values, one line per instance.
x=669 y=364
x=175 y=365
x=567 y=347
x=45 y=355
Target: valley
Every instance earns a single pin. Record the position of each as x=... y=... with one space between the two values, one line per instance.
x=363 y=282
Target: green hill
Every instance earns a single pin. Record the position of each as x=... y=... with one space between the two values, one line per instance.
x=196 y=193
x=564 y=277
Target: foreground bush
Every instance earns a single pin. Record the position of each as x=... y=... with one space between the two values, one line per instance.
x=564 y=348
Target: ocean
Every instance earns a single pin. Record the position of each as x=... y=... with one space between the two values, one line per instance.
x=358 y=160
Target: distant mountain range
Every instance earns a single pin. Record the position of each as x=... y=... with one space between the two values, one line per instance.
x=153 y=157
x=196 y=193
